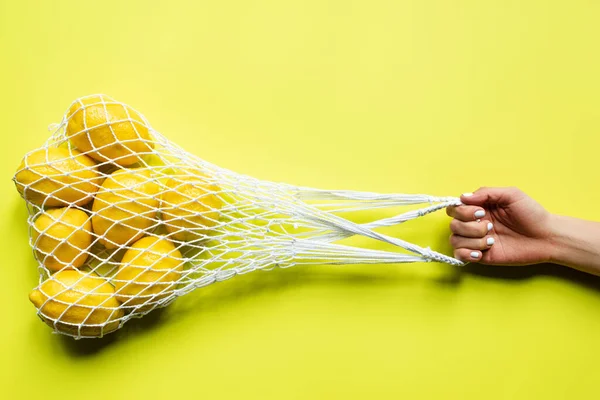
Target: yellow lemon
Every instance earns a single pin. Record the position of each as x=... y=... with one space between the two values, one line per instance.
x=149 y=271
x=57 y=177
x=190 y=206
x=61 y=237
x=107 y=130
x=125 y=207
x=77 y=303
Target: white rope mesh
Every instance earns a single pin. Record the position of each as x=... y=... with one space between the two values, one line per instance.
x=123 y=221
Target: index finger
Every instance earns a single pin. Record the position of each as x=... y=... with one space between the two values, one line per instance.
x=465 y=213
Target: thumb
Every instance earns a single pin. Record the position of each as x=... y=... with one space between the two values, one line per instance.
x=491 y=195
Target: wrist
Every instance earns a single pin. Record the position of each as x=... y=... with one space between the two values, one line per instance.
x=558 y=239
x=576 y=244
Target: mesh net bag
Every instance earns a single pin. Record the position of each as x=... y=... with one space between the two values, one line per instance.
x=123 y=221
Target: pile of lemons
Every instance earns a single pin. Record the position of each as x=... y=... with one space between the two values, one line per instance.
x=83 y=208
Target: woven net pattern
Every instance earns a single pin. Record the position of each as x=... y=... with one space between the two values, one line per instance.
x=123 y=221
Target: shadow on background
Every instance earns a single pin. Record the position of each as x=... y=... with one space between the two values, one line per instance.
x=514 y=273
x=90 y=347
x=282 y=280
x=242 y=288
x=531 y=271
x=220 y=296
x=223 y=295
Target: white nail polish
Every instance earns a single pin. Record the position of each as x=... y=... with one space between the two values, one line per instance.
x=479 y=214
x=490 y=241
x=490 y=226
x=468 y=194
x=474 y=254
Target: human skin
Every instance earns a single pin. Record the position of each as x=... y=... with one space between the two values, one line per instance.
x=504 y=226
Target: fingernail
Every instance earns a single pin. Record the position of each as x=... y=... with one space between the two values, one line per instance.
x=469 y=194
x=474 y=254
x=479 y=214
x=490 y=241
x=490 y=226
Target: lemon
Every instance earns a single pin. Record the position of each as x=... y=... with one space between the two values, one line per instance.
x=148 y=272
x=61 y=237
x=77 y=304
x=189 y=207
x=125 y=206
x=57 y=177
x=107 y=130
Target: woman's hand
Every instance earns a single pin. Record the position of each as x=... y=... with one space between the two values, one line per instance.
x=501 y=226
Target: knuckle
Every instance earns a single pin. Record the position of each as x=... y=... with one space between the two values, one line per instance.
x=460 y=255
x=453 y=240
x=454 y=225
x=462 y=213
x=482 y=228
x=462 y=210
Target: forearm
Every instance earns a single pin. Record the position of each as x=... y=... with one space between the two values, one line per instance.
x=576 y=243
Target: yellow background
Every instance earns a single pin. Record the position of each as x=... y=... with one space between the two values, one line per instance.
x=434 y=97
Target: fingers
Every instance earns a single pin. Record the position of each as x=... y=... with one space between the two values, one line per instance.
x=470 y=238
x=461 y=242
x=471 y=235
x=465 y=213
x=497 y=195
x=473 y=229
